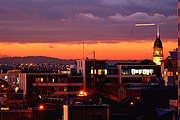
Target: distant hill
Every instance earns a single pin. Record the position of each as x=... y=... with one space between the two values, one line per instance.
x=45 y=59
x=35 y=60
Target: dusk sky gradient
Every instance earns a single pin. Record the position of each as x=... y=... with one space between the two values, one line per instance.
x=57 y=28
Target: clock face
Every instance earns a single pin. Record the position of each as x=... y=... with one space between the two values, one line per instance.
x=157 y=52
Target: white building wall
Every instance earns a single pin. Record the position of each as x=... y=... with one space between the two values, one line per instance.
x=81 y=65
x=22 y=83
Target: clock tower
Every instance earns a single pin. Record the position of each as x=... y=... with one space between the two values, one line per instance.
x=158 y=49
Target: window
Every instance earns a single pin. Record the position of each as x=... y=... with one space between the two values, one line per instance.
x=39 y=80
x=65 y=89
x=169 y=73
x=105 y=72
x=142 y=71
x=99 y=71
x=91 y=72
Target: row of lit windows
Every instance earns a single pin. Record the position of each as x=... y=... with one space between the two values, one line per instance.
x=138 y=72
x=99 y=72
x=62 y=89
x=62 y=80
x=170 y=73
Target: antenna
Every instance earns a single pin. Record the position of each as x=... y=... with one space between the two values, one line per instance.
x=93 y=52
x=83 y=50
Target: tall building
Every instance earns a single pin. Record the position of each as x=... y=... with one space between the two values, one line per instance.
x=92 y=70
x=158 y=49
x=178 y=56
x=170 y=74
x=50 y=84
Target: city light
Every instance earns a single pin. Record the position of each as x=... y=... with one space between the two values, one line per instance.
x=82 y=93
x=131 y=103
x=41 y=107
x=4 y=108
x=2 y=86
x=16 y=89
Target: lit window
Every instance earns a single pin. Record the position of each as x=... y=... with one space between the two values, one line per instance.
x=41 y=79
x=151 y=71
x=17 y=81
x=65 y=89
x=105 y=71
x=94 y=71
x=165 y=73
x=142 y=71
x=169 y=73
x=16 y=89
x=91 y=72
x=99 y=71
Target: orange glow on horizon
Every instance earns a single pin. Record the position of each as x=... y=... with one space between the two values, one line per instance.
x=122 y=50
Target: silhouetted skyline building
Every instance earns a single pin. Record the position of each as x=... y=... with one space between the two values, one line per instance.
x=178 y=56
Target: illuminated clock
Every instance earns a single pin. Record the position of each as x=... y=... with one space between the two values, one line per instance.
x=157 y=52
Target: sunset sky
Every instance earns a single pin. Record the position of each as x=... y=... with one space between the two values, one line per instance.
x=57 y=28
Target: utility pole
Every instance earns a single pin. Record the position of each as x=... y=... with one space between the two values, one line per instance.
x=93 y=53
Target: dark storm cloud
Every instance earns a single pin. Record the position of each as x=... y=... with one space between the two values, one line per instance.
x=79 y=20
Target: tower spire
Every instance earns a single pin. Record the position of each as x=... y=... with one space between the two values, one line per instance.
x=158 y=31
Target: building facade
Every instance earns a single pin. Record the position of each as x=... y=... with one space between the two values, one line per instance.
x=50 y=84
x=92 y=70
x=139 y=74
x=170 y=74
x=127 y=73
x=178 y=56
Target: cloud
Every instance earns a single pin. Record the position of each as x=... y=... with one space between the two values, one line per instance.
x=74 y=21
x=142 y=17
x=166 y=7
x=89 y=16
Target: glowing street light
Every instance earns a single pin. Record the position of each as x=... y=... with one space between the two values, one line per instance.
x=2 y=86
x=41 y=107
x=131 y=103
x=82 y=93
